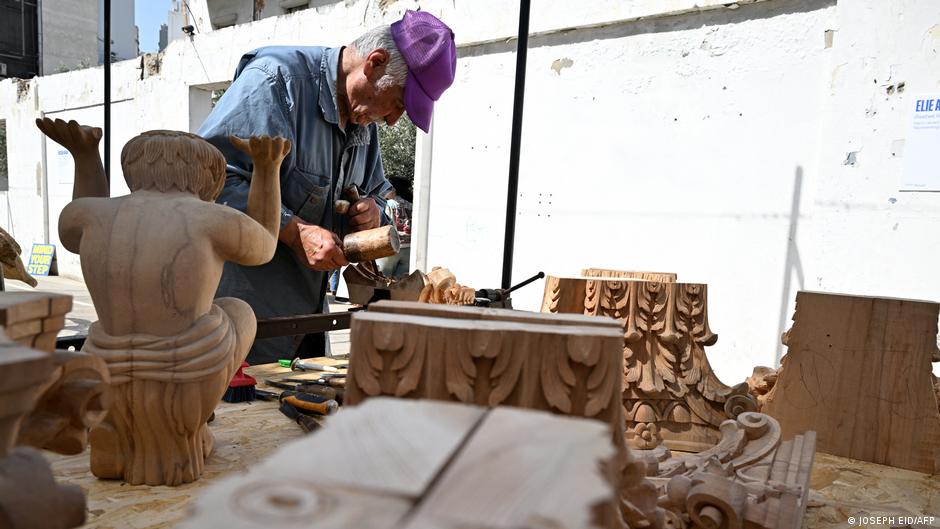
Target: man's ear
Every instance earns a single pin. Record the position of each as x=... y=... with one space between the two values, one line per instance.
x=374 y=65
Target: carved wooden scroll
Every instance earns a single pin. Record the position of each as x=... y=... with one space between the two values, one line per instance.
x=34 y=319
x=749 y=479
x=661 y=277
x=413 y=464
x=29 y=496
x=858 y=372
x=671 y=394
x=438 y=287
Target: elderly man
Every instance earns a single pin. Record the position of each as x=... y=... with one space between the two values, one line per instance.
x=327 y=102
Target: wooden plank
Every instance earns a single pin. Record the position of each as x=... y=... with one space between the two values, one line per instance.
x=53 y=323
x=255 y=502
x=16 y=307
x=366 y=468
x=661 y=277
x=521 y=466
x=462 y=312
x=387 y=448
x=24 y=329
x=858 y=372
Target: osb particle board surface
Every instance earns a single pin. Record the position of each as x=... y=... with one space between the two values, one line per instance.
x=246 y=433
x=842 y=487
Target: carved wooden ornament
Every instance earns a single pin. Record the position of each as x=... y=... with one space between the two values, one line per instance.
x=671 y=394
x=29 y=496
x=152 y=261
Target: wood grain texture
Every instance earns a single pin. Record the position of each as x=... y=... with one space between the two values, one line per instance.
x=671 y=394
x=660 y=277
x=76 y=400
x=34 y=318
x=437 y=287
x=29 y=496
x=555 y=478
x=470 y=471
x=565 y=363
x=569 y=369
x=858 y=371
x=152 y=261
x=11 y=262
x=369 y=245
x=749 y=479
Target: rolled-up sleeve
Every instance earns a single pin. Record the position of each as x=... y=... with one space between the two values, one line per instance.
x=254 y=105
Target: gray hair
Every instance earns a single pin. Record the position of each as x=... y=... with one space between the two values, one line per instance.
x=396 y=71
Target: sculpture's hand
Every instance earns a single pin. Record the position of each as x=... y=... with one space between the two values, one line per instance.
x=265 y=152
x=78 y=139
x=82 y=142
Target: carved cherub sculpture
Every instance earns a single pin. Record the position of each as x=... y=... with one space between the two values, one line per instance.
x=152 y=261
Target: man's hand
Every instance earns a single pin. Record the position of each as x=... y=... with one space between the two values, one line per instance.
x=316 y=247
x=364 y=214
x=80 y=140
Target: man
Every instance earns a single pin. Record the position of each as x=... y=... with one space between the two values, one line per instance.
x=327 y=102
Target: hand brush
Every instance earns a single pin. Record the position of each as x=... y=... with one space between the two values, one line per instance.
x=241 y=388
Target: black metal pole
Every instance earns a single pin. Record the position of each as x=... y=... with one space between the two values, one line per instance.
x=107 y=90
x=521 y=52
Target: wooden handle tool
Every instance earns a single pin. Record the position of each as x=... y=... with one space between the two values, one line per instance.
x=310 y=403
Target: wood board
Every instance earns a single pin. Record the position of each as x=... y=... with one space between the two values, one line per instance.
x=470 y=472
x=858 y=371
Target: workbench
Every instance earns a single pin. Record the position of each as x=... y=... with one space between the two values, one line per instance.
x=245 y=433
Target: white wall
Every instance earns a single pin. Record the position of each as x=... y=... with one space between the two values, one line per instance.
x=68 y=34
x=701 y=144
x=657 y=135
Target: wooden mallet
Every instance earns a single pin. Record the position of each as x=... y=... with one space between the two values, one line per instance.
x=367 y=245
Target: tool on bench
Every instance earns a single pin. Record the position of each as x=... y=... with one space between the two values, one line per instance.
x=300 y=365
x=307 y=423
x=310 y=403
x=241 y=388
x=499 y=297
x=311 y=388
x=366 y=245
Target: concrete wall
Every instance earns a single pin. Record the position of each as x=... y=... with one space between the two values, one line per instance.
x=711 y=144
x=124 y=40
x=658 y=135
x=68 y=35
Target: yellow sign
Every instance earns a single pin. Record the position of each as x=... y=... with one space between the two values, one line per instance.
x=40 y=261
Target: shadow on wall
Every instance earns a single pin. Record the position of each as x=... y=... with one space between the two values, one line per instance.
x=792 y=264
x=665 y=24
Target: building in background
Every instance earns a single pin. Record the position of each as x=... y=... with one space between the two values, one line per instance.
x=124 y=41
x=68 y=35
x=19 y=38
x=177 y=18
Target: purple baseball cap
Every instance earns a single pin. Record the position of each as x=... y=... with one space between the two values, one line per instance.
x=427 y=45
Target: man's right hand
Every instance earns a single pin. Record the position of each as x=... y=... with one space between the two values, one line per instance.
x=316 y=247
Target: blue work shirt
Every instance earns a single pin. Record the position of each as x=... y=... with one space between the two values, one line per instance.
x=291 y=92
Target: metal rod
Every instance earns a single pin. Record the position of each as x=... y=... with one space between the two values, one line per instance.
x=513 y=191
x=107 y=90
x=539 y=275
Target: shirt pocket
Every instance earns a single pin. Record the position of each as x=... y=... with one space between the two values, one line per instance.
x=308 y=196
